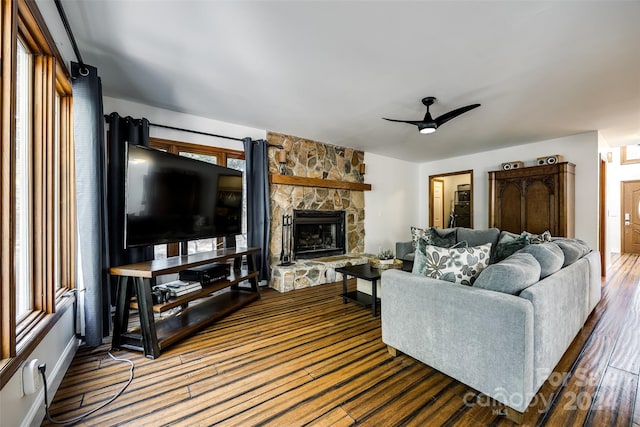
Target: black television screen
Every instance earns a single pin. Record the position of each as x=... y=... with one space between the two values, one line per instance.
x=170 y=198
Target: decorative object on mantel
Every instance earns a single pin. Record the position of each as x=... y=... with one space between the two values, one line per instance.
x=282 y=159
x=285 y=254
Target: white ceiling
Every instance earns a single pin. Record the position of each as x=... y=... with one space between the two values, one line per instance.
x=329 y=70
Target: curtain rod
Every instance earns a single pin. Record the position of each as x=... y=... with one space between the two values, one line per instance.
x=106 y=117
x=206 y=133
x=196 y=131
x=84 y=71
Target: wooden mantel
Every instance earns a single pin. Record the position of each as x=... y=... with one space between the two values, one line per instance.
x=317 y=182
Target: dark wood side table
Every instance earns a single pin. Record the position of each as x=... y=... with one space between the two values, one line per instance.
x=365 y=272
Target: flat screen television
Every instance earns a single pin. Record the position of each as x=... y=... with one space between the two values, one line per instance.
x=171 y=198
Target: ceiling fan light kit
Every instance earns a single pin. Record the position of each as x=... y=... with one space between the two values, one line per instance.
x=425 y=129
x=429 y=124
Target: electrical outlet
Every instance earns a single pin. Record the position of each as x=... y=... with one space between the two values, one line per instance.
x=31 y=379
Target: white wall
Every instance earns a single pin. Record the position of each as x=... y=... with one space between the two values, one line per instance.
x=581 y=149
x=57 y=350
x=391 y=206
x=185 y=121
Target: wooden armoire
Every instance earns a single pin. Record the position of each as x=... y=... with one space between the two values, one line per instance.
x=534 y=199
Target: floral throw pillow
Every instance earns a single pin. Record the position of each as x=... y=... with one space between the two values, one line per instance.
x=459 y=265
x=417 y=234
x=538 y=238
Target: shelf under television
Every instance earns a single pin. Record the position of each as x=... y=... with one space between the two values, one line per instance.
x=176 y=327
x=210 y=303
x=235 y=278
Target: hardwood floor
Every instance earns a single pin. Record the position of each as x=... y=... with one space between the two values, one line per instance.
x=305 y=358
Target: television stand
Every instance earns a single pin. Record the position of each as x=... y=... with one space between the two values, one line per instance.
x=153 y=336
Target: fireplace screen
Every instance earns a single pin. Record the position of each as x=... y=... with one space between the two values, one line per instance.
x=318 y=233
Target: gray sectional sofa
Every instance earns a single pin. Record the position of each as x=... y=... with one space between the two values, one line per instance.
x=504 y=335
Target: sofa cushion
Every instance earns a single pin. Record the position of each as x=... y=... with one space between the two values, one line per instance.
x=508 y=244
x=573 y=249
x=445 y=237
x=512 y=275
x=417 y=233
x=458 y=265
x=549 y=256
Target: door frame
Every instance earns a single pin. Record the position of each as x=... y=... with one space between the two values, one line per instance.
x=442 y=175
x=431 y=185
x=602 y=220
x=622 y=184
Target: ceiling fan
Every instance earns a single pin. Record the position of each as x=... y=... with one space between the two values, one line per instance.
x=429 y=124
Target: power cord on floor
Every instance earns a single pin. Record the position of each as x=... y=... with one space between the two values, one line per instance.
x=42 y=368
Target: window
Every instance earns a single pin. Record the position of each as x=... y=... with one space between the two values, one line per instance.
x=22 y=274
x=219 y=156
x=57 y=283
x=37 y=240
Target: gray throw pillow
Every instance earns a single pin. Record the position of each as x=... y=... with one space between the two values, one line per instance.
x=478 y=237
x=508 y=244
x=420 y=259
x=511 y=275
x=444 y=238
x=573 y=249
x=549 y=256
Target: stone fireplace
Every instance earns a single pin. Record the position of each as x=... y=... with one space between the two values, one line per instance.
x=318 y=233
x=313 y=162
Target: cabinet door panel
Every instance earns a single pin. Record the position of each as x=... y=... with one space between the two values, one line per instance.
x=511 y=208
x=535 y=199
x=539 y=208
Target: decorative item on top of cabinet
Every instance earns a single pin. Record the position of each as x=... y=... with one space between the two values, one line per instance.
x=534 y=199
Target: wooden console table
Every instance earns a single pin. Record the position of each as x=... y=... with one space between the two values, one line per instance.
x=153 y=336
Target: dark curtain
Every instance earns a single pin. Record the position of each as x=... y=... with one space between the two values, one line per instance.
x=258 y=203
x=122 y=130
x=88 y=133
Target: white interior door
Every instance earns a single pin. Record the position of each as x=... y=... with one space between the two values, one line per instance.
x=437 y=193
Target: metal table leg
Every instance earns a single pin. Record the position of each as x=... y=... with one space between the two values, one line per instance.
x=147 y=322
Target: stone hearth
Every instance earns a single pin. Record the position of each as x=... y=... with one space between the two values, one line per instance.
x=312 y=272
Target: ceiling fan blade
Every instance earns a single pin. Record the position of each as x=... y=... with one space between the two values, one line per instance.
x=411 y=122
x=453 y=114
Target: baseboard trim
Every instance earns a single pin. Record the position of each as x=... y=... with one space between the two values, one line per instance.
x=36 y=414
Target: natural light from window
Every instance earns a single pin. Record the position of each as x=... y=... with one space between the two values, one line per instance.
x=23 y=184
x=56 y=193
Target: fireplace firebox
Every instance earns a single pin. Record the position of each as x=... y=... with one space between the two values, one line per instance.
x=318 y=233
